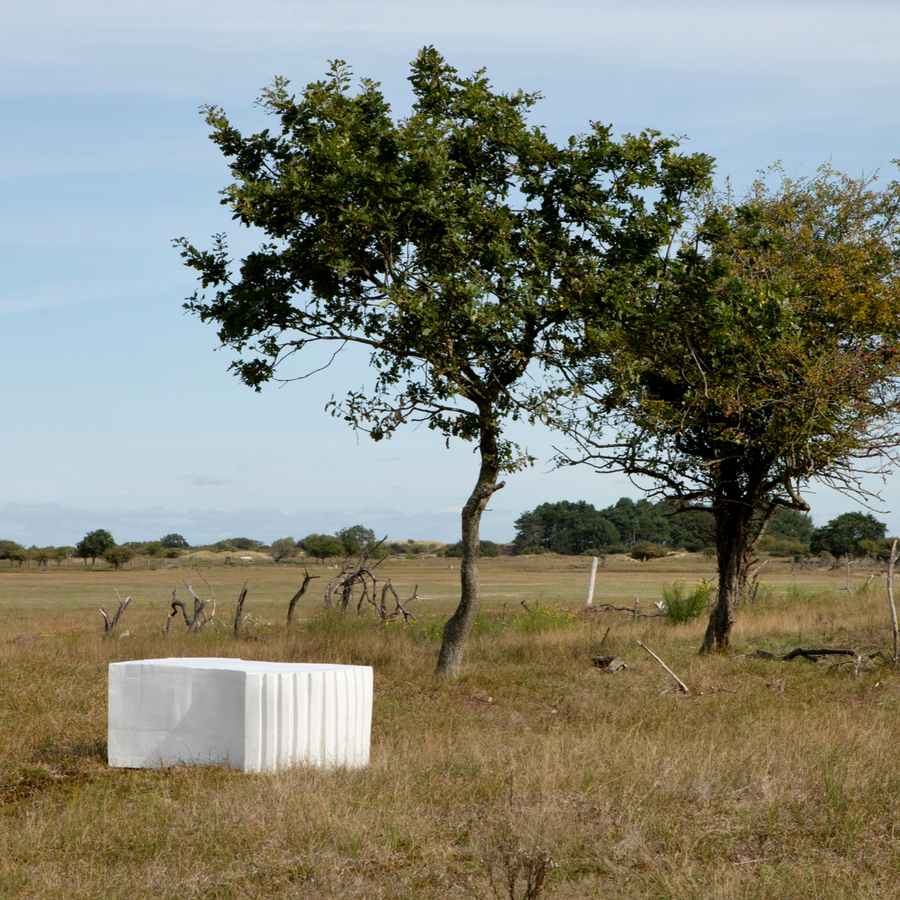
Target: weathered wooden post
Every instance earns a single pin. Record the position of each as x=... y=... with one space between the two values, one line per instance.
x=590 y=594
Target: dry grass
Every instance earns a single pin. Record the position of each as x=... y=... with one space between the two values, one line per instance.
x=771 y=780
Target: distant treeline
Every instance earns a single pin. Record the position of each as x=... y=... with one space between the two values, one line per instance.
x=577 y=527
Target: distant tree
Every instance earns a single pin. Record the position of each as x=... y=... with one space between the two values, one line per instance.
x=284 y=548
x=488 y=548
x=63 y=553
x=94 y=544
x=43 y=555
x=174 y=540
x=118 y=555
x=153 y=548
x=355 y=538
x=13 y=552
x=842 y=536
x=791 y=524
x=242 y=543
x=323 y=546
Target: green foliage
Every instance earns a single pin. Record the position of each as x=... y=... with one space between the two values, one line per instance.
x=843 y=535
x=241 y=543
x=172 y=553
x=284 y=548
x=486 y=548
x=153 y=548
x=13 y=552
x=577 y=527
x=174 y=540
x=791 y=524
x=356 y=538
x=765 y=354
x=94 y=544
x=118 y=555
x=683 y=605
x=63 y=553
x=452 y=244
x=647 y=550
x=780 y=546
x=323 y=546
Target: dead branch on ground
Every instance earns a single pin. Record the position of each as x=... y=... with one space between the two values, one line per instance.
x=811 y=655
x=681 y=684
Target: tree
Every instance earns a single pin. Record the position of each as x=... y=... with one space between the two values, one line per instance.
x=285 y=548
x=63 y=553
x=842 y=536
x=176 y=541
x=763 y=355
x=242 y=543
x=450 y=244
x=323 y=546
x=94 y=544
x=356 y=538
x=118 y=555
x=13 y=551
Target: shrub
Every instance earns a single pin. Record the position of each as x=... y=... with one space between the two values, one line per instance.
x=117 y=556
x=682 y=605
x=648 y=550
x=488 y=548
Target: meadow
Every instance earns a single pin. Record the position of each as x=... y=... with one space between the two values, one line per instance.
x=533 y=775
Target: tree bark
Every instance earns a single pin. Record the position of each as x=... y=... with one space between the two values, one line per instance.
x=459 y=625
x=734 y=551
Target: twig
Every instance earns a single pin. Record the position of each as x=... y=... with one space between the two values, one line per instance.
x=681 y=684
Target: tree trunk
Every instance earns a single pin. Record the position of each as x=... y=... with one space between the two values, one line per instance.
x=734 y=551
x=459 y=625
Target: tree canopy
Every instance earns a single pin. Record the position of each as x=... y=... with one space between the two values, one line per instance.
x=763 y=355
x=454 y=244
x=94 y=544
x=843 y=535
x=577 y=527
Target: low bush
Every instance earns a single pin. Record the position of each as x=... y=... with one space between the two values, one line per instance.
x=683 y=605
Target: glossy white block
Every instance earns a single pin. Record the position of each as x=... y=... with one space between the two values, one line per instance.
x=255 y=716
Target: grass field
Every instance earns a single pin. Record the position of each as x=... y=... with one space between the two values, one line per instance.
x=770 y=780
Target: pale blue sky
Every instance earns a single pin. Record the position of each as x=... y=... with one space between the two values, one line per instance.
x=117 y=411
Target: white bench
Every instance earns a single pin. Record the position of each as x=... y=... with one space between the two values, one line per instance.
x=254 y=716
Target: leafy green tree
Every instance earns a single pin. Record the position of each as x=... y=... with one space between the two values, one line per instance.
x=242 y=543
x=118 y=555
x=63 y=553
x=761 y=356
x=356 y=538
x=452 y=244
x=94 y=544
x=43 y=555
x=284 y=548
x=323 y=546
x=174 y=540
x=843 y=535
x=153 y=548
x=13 y=552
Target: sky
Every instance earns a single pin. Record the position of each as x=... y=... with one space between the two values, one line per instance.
x=119 y=413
